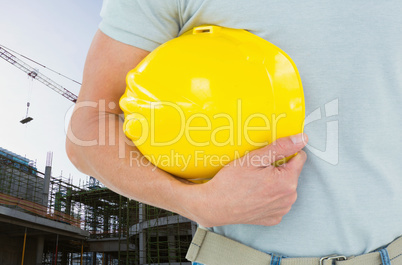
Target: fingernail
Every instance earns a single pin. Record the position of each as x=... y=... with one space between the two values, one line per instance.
x=298 y=138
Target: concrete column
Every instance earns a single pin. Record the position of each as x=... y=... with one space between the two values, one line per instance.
x=172 y=248
x=39 y=249
x=64 y=258
x=142 y=236
x=46 y=183
x=93 y=258
x=58 y=201
x=68 y=200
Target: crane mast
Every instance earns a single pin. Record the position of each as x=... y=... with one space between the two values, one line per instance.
x=9 y=57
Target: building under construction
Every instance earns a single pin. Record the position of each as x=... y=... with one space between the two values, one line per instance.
x=48 y=220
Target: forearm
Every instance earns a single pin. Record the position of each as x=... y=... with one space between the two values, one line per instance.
x=97 y=147
x=95 y=142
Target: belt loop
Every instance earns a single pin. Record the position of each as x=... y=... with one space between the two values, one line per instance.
x=384 y=257
x=275 y=260
x=196 y=243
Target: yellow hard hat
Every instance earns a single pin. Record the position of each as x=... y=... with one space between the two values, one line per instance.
x=208 y=97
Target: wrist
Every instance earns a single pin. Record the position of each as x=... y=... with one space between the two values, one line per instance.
x=191 y=200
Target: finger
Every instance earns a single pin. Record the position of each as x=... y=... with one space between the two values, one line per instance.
x=269 y=221
x=295 y=165
x=280 y=149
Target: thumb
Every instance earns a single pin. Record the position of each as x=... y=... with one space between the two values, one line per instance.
x=280 y=149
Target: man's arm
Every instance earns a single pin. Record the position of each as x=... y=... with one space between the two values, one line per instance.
x=94 y=140
x=97 y=146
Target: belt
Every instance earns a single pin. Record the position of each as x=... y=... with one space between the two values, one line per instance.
x=213 y=249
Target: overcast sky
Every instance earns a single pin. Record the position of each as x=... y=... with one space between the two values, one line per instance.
x=56 y=34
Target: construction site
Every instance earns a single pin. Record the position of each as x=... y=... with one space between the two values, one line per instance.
x=48 y=220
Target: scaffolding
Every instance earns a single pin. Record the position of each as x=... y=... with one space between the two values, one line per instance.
x=122 y=231
x=27 y=186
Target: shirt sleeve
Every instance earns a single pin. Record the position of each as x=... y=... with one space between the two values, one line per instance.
x=145 y=24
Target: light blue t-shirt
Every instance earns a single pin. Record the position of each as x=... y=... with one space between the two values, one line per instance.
x=349 y=55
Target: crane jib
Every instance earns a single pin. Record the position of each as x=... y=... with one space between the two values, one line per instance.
x=9 y=57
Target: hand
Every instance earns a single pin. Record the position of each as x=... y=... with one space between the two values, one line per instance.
x=250 y=190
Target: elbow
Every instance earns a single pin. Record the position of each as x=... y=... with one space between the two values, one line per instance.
x=75 y=149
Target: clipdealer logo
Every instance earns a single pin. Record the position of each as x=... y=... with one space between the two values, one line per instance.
x=330 y=153
x=329 y=113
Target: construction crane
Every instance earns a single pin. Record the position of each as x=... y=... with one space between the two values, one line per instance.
x=34 y=74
